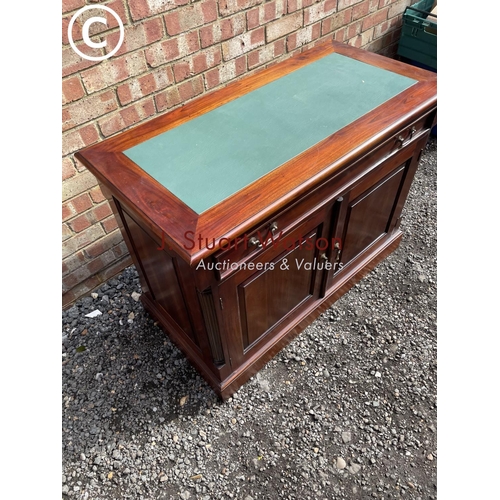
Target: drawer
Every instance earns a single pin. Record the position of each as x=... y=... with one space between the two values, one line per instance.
x=271 y=233
x=275 y=230
x=407 y=135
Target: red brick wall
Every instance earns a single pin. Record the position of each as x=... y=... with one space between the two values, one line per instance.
x=173 y=51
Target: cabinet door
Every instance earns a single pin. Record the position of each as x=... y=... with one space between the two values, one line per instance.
x=273 y=291
x=370 y=210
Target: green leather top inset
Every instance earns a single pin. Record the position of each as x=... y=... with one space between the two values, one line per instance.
x=211 y=157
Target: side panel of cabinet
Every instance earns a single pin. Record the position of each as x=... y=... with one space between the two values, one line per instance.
x=187 y=313
x=160 y=271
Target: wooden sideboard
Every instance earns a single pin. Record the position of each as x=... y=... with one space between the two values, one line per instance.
x=250 y=210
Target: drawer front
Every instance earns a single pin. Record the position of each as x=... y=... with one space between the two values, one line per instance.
x=251 y=244
x=408 y=134
x=274 y=233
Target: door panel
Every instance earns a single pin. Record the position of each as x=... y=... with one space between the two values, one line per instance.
x=260 y=303
x=269 y=296
x=369 y=216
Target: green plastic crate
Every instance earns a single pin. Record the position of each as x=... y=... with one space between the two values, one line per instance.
x=418 y=40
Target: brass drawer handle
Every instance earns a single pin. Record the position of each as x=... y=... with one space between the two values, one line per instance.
x=273 y=227
x=255 y=242
x=401 y=139
x=337 y=247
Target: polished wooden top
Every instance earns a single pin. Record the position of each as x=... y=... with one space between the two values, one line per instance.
x=306 y=117
x=211 y=157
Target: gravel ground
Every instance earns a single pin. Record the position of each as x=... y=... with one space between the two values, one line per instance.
x=346 y=411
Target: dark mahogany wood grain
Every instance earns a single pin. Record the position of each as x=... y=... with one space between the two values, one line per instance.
x=241 y=211
x=230 y=385
x=351 y=188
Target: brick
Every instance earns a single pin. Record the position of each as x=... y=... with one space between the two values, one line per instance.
x=172 y=49
x=100 y=212
x=113 y=71
x=294 y=5
x=70 y=295
x=198 y=63
x=72 y=62
x=115 y=268
x=78 y=224
x=283 y=26
x=265 y=54
x=340 y=35
x=90 y=217
x=77 y=185
x=140 y=9
x=303 y=36
x=101 y=262
x=68 y=168
x=76 y=206
x=265 y=13
x=82 y=239
x=127 y=117
x=253 y=18
x=228 y=7
x=77 y=276
x=136 y=36
x=73 y=262
x=72 y=89
x=96 y=195
x=377 y=45
x=319 y=11
x=109 y=224
x=355 y=41
x=335 y=22
x=279 y=47
x=168 y=99
x=120 y=250
x=89 y=108
x=103 y=244
x=224 y=29
x=398 y=8
x=191 y=16
x=69 y=5
x=80 y=167
x=360 y=10
x=66 y=232
x=145 y=85
x=225 y=72
x=119 y=7
x=242 y=44
x=191 y=88
x=343 y=4
x=66 y=212
x=97 y=31
x=374 y=19
x=383 y=28
x=78 y=139
x=366 y=37
x=354 y=29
